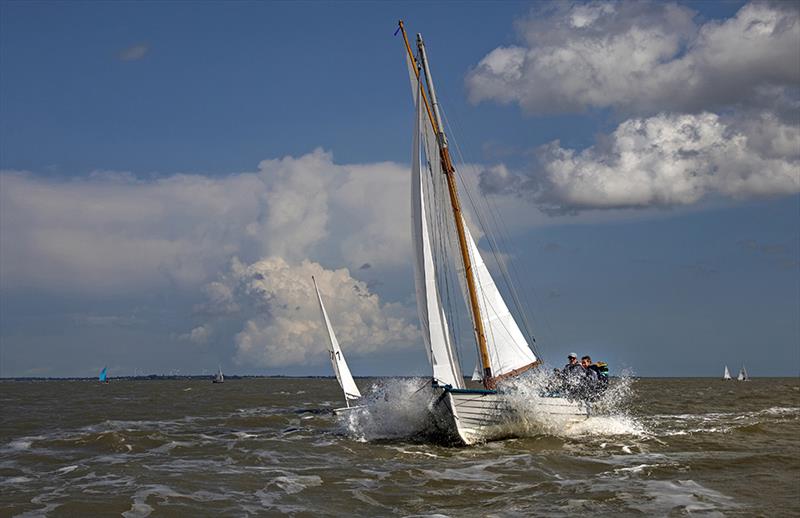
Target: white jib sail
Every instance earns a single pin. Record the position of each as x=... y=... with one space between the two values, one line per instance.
x=337 y=358
x=727 y=374
x=446 y=370
x=508 y=349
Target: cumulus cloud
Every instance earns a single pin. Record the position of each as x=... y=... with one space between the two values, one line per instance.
x=643 y=57
x=665 y=160
x=110 y=232
x=284 y=326
x=199 y=335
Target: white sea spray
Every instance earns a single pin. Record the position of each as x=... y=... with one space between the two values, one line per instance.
x=609 y=412
x=393 y=408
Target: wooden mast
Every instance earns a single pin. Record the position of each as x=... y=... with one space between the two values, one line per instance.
x=449 y=171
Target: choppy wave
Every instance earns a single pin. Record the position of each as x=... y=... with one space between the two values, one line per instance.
x=658 y=447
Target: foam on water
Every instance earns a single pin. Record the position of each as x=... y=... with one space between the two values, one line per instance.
x=668 y=425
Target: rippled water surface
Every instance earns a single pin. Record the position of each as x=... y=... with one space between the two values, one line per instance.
x=268 y=446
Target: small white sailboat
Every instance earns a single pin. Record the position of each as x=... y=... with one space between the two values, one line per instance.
x=441 y=239
x=219 y=377
x=351 y=392
x=743 y=374
x=727 y=374
x=476 y=374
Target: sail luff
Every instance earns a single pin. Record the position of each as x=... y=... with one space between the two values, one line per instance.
x=446 y=369
x=338 y=362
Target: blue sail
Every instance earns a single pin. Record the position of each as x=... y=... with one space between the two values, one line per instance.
x=103 y=375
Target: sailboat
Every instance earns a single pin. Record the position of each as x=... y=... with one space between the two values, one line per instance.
x=103 y=377
x=476 y=374
x=727 y=374
x=219 y=378
x=346 y=382
x=743 y=374
x=441 y=239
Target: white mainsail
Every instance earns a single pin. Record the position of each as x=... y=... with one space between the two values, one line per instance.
x=743 y=374
x=337 y=358
x=727 y=374
x=446 y=370
x=508 y=349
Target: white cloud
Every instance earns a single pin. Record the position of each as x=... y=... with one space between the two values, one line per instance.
x=664 y=160
x=199 y=335
x=286 y=326
x=114 y=232
x=134 y=52
x=642 y=57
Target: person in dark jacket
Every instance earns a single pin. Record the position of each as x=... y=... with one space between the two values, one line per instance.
x=573 y=375
x=592 y=371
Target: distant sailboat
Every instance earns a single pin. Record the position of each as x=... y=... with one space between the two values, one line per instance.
x=103 y=377
x=219 y=378
x=476 y=374
x=743 y=374
x=351 y=392
x=727 y=374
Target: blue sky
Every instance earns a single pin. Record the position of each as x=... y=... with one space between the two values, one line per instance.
x=172 y=173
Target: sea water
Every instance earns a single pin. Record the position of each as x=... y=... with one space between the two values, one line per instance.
x=270 y=446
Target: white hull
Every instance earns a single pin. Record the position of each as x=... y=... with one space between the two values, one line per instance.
x=474 y=416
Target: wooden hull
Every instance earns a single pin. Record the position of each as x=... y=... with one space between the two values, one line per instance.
x=469 y=417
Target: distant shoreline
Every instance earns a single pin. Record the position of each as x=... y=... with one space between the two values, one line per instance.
x=170 y=377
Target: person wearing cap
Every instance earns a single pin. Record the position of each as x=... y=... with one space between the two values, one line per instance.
x=574 y=374
x=573 y=369
x=572 y=364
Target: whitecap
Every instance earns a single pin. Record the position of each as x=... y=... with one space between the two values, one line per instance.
x=16 y=480
x=20 y=444
x=684 y=494
x=291 y=483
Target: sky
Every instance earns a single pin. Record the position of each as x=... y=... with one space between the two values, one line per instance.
x=173 y=173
